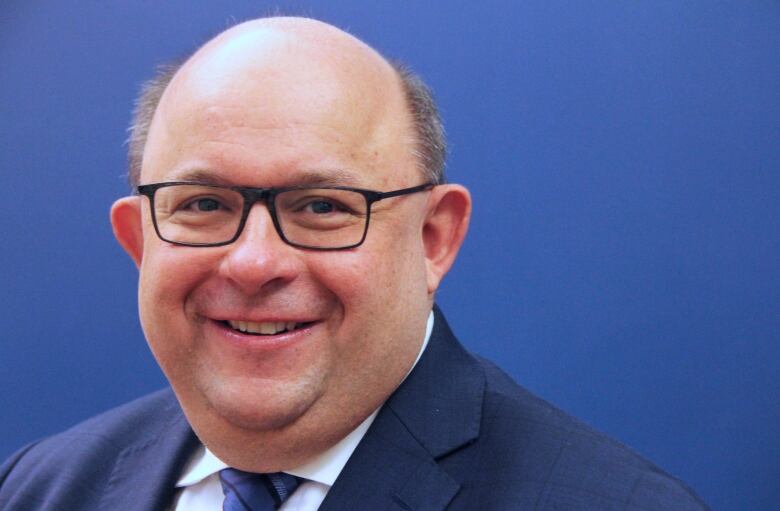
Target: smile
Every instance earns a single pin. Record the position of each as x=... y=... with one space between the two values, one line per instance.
x=265 y=327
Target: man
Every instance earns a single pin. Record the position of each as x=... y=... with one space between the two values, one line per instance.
x=291 y=229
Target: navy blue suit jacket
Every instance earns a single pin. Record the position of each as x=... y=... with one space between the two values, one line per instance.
x=458 y=434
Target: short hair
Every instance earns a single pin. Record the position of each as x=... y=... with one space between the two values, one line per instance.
x=431 y=143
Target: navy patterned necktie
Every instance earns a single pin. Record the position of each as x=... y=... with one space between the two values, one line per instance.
x=245 y=491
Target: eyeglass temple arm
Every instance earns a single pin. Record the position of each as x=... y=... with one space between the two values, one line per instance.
x=403 y=191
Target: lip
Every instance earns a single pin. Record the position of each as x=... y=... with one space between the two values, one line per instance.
x=219 y=329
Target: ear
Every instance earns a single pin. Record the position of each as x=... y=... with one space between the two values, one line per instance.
x=449 y=210
x=126 y=222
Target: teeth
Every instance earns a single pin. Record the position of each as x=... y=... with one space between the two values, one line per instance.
x=264 y=328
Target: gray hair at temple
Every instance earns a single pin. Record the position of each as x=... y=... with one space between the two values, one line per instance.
x=431 y=144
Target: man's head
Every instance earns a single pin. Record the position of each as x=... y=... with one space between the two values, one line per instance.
x=281 y=102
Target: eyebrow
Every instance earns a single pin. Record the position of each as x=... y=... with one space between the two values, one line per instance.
x=330 y=177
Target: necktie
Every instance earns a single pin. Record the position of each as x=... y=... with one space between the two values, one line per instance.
x=245 y=491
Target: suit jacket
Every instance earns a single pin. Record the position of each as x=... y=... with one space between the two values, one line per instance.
x=458 y=434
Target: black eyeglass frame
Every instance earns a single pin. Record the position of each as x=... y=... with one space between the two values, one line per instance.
x=252 y=195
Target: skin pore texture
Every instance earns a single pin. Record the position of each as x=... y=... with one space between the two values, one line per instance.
x=275 y=102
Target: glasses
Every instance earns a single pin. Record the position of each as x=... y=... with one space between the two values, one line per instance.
x=319 y=218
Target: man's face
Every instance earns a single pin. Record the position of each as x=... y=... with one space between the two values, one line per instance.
x=360 y=312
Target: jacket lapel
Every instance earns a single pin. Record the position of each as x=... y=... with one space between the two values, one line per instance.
x=390 y=470
x=145 y=472
x=436 y=410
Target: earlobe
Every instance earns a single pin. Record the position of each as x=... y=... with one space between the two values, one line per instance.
x=444 y=230
x=126 y=222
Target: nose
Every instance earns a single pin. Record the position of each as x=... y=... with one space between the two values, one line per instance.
x=259 y=259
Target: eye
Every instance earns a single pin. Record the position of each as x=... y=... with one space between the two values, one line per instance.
x=206 y=205
x=202 y=205
x=321 y=206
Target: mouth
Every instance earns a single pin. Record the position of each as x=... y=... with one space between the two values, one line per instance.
x=265 y=328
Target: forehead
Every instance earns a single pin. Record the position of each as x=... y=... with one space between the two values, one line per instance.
x=267 y=102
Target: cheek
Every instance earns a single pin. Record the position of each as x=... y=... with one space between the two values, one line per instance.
x=381 y=289
x=397 y=257
x=168 y=277
x=168 y=271
x=385 y=273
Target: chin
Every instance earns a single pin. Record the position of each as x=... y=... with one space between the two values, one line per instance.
x=266 y=407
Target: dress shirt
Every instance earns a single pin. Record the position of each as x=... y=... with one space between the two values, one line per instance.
x=201 y=489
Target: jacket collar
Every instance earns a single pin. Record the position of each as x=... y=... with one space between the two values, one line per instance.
x=436 y=410
x=145 y=473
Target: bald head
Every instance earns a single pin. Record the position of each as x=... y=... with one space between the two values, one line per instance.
x=291 y=56
x=301 y=62
x=285 y=73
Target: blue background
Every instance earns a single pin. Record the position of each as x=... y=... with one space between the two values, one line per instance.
x=623 y=255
